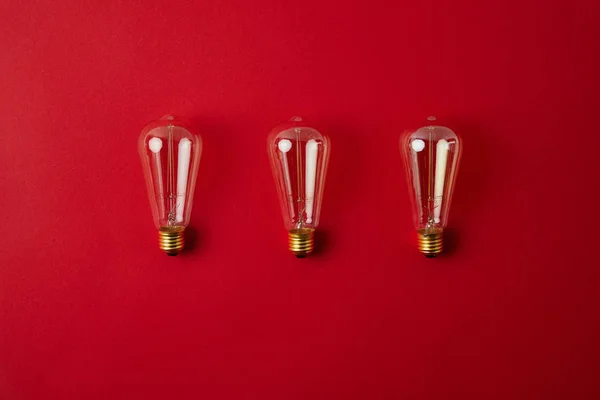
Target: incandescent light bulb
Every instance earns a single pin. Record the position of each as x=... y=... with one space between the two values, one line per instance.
x=299 y=156
x=170 y=155
x=431 y=156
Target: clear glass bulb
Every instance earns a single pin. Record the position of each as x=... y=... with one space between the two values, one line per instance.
x=170 y=155
x=299 y=155
x=431 y=156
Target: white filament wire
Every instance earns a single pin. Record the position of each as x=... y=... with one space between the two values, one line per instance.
x=441 y=159
x=284 y=146
x=417 y=145
x=414 y=159
x=183 y=168
x=312 y=151
x=155 y=145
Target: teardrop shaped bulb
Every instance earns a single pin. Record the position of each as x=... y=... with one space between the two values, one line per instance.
x=299 y=155
x=431 y=157
x=170 y=155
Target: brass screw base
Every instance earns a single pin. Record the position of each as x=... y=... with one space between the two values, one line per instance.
x=301 y=241
x=170 y=239
x=430 y=241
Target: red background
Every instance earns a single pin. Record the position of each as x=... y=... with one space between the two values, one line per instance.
x=91 y=309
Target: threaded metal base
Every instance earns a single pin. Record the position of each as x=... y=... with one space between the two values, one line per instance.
x=170 y=239
x=301 y=241
x=430 y=241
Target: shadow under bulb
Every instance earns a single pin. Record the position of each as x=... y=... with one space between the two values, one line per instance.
x=431 y=157
x=170 y=155
x=299 y=155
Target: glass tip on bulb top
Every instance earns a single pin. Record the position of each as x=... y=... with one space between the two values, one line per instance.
x=299 y=155
x=431 y=157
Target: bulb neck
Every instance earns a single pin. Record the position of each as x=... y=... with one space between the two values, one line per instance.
x=170 y=239
x=430 y=241
x=301 y=241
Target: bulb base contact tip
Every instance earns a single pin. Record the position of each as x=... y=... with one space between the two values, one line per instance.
x=430 y=241
x=301 y=241
x=170 y=239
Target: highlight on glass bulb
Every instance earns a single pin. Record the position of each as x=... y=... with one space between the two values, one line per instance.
x=170 y=155
x=431 y=157
x=299 y=155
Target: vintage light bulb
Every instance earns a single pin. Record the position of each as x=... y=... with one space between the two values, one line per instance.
x=299 y=155
x=431 y=156
x=170 y=155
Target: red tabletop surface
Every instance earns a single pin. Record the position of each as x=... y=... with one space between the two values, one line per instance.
x=90 y=308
